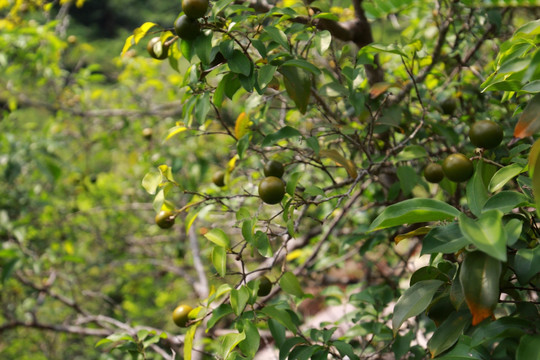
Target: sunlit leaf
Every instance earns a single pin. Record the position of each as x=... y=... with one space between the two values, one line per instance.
x=241 y=126
x=340 y=160
x=218 y=237
x=487 y=233
x=138 y=34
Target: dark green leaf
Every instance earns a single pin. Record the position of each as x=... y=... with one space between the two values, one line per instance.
x=448 y=333
x=290 y=284
x=298 y=85
x=283 y=133
x=239 y=63
x=527 y=264
x=487 y=233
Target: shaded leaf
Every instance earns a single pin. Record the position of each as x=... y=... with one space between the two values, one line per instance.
x=487 y=233
x=529 y=348
x=283 y=133
x=290 y=284
x=448 y=333
x=298 y=85
x=527 y=264
x=340 y=160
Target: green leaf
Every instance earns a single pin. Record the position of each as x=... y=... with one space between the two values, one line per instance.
x=536 y=184
x=322 y=41
x=265 y=75
x=504 y=175
x=448 y=333
x=219 y=313
x=218 y=6
x=285 y=348
x=505 y=201
x=513 y=231
x=278 y=36
x=239 y=299
x=279 y=315
x=479 y=277
x=218 y=237
x=283 y=133
x=411 y=152
x=407 y=179
x=444 y=239
x=151 y=182
x=414 y=211
x=278 y=332
x=7 y=269
x=290 y=284
x=529 y=348
x=303 y=64
x=262 y=243
x=229 y=342
x=203 y=47
x=527 y=264
x=219 y=260
x=242 y=145
x=250 y=345
x=239 y=63
x=345 y=349
x=477 y=193
x=290 y=187
x=487 y=233
x=502 y=328
x=298 y=85
x=413 y=301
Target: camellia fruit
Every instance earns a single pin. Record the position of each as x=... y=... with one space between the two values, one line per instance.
x=187 y=28
x=274 y=168
x=219 y=178
x=433 y=173
x=180 y=315
x=194 y=9
x=486 y=134
x=458 y=167
x=157 y=49
x=271 y=190
x=165 y=219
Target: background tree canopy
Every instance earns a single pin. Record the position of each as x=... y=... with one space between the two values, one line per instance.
x=293 y=179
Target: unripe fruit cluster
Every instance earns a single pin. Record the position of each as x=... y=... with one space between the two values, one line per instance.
x=457 y=167
x=272 y=188
x=186 y=26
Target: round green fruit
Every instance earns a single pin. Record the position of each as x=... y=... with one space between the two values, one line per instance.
x=449 y=106
x=271 y=190
x=194 y=9
x=158 y=52
x=165 y=219
x=486 y=134
x=274 y=168
x=265 y=285
x=457 y=167
x=180 y=315
x=434 y=173
x=187 y=28
x=219 y=178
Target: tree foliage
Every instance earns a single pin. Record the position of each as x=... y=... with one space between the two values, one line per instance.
x=361 y=258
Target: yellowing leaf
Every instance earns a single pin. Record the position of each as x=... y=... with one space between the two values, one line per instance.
x=340 y=160
x=420 y=231
x=138 y=34
x=232 y=163
x=241 y=127
x=529 y=121
x=174 y=131
x=378 y=89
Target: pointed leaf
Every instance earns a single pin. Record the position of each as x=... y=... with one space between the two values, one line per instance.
x=229 y=342
x=477 y=193
x=290 y=284
x=298 y=85
x=487 y=233
x=283 y=133
x=529 y=348
x=239 y=299
x=536 y=185
x=448 y=333
x=504 y=175
x=444 y=239
x=529 y=121
x=188 y=342
x=414 y=211
x=413 y=301
x=479 y=277
x=527 y=264
x=505 y=201
x=241 y=126
x=219 y=260
x=218 y=237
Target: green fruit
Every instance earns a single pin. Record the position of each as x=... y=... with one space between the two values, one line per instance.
x=157 y=49
x=271 y=190
x=219 y=178
x=165 y=219
x=457 y=167
x=449 y=106
x=180 y=315
x=186 y=28
x=265 y=285
x=274 y=168
x=486 y=134
x=434 y=173
x=194 y=9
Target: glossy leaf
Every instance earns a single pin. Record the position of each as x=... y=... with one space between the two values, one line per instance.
x=505 y=201
x=414 y=211
x=298 y=85
x=219 y=260
x=479 y=277
x=502 y=328
x=250 y=345
x=218 y=237
x=219 y=313
x=188 y=342
x=504 y=175
x=229 y=342
x=448 y=333
x=477 y=193
x=290 y=284
x=239 y=63
x=529 y=348
x=279 y=315
x=487 y=233
x=241 y=126
x=239 y=299
x=151 y=182
x=529 y=121
x=446 y=239
x=527 y=264
x=413 y=301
